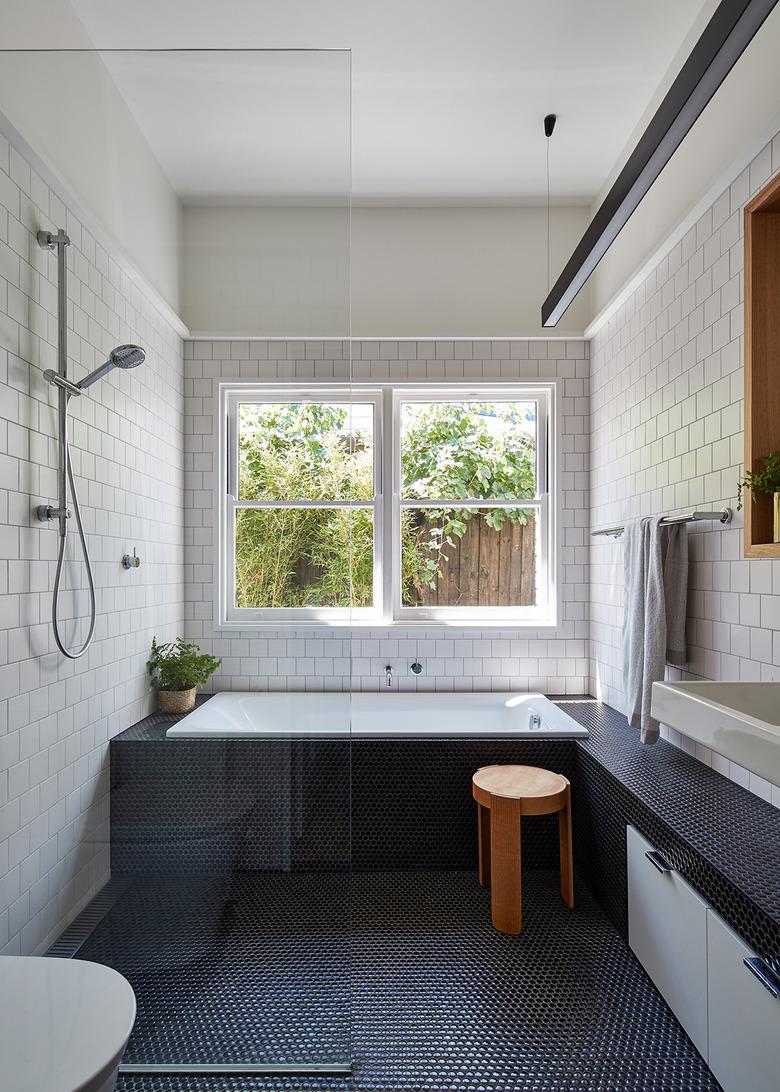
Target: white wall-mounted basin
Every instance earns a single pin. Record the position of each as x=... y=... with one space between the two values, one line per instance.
x=739 y=720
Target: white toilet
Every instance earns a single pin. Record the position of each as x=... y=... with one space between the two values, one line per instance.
x=64 y=1024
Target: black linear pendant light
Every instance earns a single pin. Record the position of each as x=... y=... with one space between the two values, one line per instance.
x=724 y=39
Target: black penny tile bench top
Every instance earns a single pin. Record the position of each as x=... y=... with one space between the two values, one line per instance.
x=733 y=830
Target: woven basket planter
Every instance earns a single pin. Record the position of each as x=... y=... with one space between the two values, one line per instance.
x=177 y=701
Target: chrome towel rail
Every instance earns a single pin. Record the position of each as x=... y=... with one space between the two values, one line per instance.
x=723 y=516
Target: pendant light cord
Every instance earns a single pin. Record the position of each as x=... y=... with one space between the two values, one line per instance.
x=548 y=215
x=549 y=128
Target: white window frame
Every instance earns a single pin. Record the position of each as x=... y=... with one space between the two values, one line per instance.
x=543 y=613
x=231 y=397
x=387 y=610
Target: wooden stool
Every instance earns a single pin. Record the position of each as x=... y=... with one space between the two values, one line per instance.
x=504 y=794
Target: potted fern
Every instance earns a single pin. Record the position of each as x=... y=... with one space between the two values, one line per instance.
x=764 y=480
x=177 y=670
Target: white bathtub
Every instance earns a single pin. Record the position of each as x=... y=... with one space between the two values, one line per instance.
x=257 y=716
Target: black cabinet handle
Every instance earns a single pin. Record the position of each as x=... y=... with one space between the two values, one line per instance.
x=766 y=975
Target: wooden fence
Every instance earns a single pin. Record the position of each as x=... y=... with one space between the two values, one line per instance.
x=487 y=568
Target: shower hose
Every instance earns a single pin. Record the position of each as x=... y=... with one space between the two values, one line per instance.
x=65 y=453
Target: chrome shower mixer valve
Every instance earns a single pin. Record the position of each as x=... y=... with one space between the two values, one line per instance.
x=47 y=512
x=131 y=561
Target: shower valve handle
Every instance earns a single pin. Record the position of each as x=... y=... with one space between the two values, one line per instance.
x=131 y=561
x=46 y=512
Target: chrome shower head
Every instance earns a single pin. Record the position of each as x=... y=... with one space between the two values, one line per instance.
x=124 y=356
x=127 y=356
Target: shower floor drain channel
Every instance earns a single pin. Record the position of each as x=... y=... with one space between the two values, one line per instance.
x=84 y=924
x=246 y=1069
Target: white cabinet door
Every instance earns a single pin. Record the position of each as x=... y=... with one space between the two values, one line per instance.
x=667 y=930
x=744 y=1015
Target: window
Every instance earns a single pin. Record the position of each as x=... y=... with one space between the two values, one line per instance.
x=469 y=512
x=301 y=514
x=461 y=532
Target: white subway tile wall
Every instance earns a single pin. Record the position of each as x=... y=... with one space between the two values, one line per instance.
x=666 y=426
x=57 y=715
x=555 y=661
x=658 y=398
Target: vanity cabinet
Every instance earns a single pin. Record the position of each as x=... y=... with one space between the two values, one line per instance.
x=743 y=1014
x=667 y=931
x=730 y=1008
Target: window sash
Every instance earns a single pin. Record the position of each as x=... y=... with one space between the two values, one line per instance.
x=542 y=610
x=540 y=395
x=537 y=612
x=273 y=396
x=252 y=615
x=268 y=394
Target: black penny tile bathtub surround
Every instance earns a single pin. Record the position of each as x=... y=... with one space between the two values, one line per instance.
x=412 y=806
x=207 y=806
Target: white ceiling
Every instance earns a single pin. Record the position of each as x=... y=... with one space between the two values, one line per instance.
x=448 y=95
x=243 y=126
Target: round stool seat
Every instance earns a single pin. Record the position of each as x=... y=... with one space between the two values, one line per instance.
x=537 y=790
x=65 y=1024
x=505 y=795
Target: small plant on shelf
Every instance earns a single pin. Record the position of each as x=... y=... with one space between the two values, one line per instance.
x=177 y=669
x=765 y=480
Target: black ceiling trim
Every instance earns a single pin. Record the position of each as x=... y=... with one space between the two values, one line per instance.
x=724 y=39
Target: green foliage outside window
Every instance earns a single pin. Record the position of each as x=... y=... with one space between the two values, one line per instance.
x=303 y=557
x=290 y=451
x=309 y=557
x=454 y=451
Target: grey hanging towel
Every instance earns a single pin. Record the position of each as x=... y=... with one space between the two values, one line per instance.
x=655 y=569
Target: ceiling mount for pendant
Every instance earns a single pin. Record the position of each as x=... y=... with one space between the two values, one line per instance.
x=549 y=124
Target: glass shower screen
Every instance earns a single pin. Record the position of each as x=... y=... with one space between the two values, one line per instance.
x=202 y=200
